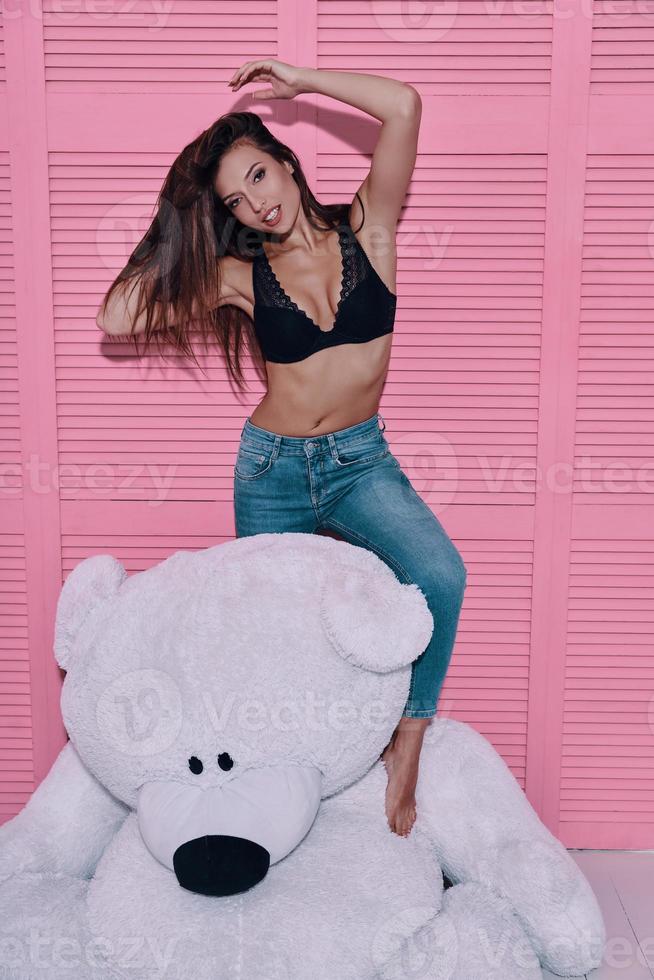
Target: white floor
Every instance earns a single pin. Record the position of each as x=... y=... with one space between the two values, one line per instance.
x=624 y=884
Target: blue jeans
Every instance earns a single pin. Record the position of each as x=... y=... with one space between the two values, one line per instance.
x=349 y=482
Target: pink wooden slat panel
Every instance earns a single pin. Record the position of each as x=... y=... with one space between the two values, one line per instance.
x=33 y=730
x=184 y=46
x=488 y=681
x=3 y=67
x=135 y=552
x=16 y=748
x=607 y=773
x=615 y=410
x=623 y=48
x=464 y=48
x=17 y=780
x=11 y=478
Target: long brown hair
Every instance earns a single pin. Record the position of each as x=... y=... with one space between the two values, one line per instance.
x=177 y=258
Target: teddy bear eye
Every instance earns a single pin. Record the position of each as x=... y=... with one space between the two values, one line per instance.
x=195 y=765
x=225 y=761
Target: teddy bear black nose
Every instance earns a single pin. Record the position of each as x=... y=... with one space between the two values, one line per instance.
x=225 y=761
x=219 y=864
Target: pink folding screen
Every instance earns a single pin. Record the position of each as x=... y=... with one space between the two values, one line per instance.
x=519 y=397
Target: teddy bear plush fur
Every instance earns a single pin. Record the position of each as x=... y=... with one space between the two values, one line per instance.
x=218 y=810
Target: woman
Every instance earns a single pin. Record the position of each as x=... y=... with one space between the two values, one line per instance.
x=240 y=246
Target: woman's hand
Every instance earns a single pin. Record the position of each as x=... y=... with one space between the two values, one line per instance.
x=285 y=80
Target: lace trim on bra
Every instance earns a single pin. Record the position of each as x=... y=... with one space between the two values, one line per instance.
x=353 y=271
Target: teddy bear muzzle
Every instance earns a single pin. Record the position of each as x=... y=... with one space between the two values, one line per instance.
x=221 y=840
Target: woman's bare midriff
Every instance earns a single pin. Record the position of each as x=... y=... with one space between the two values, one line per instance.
x=332 y=389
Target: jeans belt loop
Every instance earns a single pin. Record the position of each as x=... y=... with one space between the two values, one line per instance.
x=383 y=426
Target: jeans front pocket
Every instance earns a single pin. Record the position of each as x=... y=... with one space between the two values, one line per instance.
x=253 y=461
x=366 y=450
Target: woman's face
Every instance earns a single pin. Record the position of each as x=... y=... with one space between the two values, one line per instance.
x=250 y=183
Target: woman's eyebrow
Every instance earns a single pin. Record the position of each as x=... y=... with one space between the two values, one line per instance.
x=247 y=174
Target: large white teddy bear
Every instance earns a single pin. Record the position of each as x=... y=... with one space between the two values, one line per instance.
x=218 y=813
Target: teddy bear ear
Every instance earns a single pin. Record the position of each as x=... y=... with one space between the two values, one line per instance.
x=371 y=618
x=88 y=586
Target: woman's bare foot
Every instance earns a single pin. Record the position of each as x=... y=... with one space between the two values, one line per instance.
x=401 y=759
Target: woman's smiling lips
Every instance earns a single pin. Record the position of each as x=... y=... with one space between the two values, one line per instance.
x=274 y=220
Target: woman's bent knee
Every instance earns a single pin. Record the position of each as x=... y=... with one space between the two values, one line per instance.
x=446 y=579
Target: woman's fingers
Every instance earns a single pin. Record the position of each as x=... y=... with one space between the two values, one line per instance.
x=245 y=72
x=245 y=76
x=238 y=73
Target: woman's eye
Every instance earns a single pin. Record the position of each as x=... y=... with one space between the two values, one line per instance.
x=237 y=199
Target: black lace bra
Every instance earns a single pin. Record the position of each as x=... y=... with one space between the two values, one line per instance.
x=365 y=310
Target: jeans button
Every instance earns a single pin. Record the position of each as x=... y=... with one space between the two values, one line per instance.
x=310 y=445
